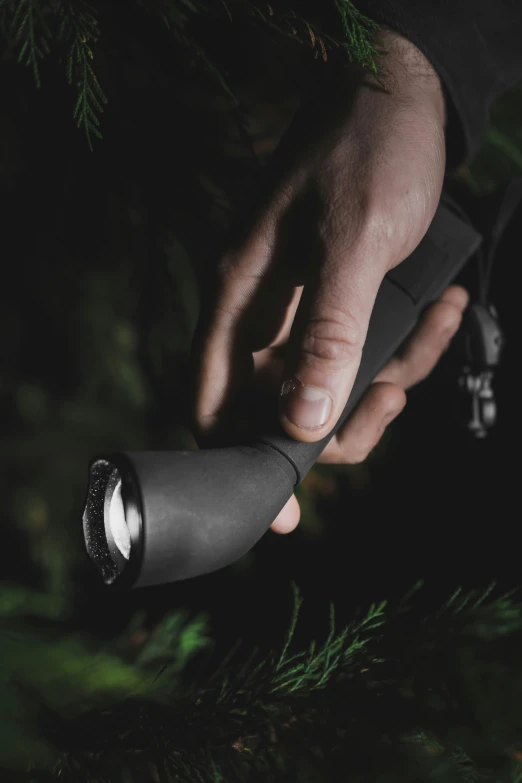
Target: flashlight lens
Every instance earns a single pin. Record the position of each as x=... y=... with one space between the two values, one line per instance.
x=118 y=523
x=115 y=523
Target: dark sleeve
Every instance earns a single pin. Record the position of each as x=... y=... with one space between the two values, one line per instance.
x=476 y=48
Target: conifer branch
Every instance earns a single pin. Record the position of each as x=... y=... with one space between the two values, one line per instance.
x=78 y=29
x=23 y=23
x=359 y=31
x=27 y=30
x=245 y=723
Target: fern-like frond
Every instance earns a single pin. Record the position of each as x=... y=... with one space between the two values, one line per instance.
x=359 y=31
x=30 y=33
x=313 y=670
x=24 y=26
x=78 y=30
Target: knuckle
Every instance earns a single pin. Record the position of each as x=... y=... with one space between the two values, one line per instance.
x=443 y=320
x=357 y=454
x=225 y=268
x=377 y=396
x=424 y=371
x=331 y=343
x=377 y=227
x=228 y=310
x=229 y=266
x=284 y=195
x=342 y=214
x=235 y=285
x=363 y=230
x=384 y=396
x=247 y=261
x=457 y=296
x=450 y=316
x=420 y=369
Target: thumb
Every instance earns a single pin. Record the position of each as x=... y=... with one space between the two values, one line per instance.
x=326 y=343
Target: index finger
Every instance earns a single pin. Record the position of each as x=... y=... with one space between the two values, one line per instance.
x=428 y=342
x=246 y=307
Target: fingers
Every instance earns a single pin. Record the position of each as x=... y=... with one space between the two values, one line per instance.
x=382 y=403
x=455 y=295
x=221 y=350
x=428 y=342
x=282 y=336
x=288 y=518
x=385 y=399
x=364 y=428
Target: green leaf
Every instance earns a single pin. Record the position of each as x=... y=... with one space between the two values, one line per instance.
x=66 y=675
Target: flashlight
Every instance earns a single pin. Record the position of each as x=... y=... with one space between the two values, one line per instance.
x=154 y=517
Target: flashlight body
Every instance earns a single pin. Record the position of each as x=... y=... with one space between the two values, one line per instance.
x=193 y=512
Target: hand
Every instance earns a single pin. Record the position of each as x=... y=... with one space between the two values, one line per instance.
x=356 y=182
x=385 y=398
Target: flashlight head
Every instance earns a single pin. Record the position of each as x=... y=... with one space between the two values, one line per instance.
x=112 y=523
x=157 y=517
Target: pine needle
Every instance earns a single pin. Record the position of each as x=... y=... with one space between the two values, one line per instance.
x=24 y=24
x=290 y=716
x=31 y=33
x=78 y=29
x=293 y=622
x=359 y=31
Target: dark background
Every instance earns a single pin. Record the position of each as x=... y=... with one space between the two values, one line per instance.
x=98 y=303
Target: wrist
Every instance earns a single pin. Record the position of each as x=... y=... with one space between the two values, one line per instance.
x=407 y=71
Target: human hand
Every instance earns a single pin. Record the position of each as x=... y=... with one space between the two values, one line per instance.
x=357 y=182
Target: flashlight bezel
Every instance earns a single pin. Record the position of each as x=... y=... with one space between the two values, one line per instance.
x=132 y=504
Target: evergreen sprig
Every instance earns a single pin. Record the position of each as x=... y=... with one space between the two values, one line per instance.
x=78 y=30
x=386 y=699
x=31 y=28
x=27 y=30
x=359 y=31
x=73 y=25
x=313 y=669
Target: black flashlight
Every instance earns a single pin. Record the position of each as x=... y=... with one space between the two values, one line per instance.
x=161 y=516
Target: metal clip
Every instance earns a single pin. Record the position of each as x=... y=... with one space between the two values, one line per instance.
x=483 y=342
x=484 y=407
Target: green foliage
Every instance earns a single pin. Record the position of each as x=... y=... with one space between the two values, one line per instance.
x=16 y=600
x=73 y=29
x=33 y=28
x=30 y=33
x=63 y=671
x=357 y=28
x=177 y=639
x=49 y=670
x=500 y=157
x=313 y=669
x=388 y=698
x=78 y=28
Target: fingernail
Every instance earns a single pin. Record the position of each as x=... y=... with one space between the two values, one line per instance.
x=305 y=406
